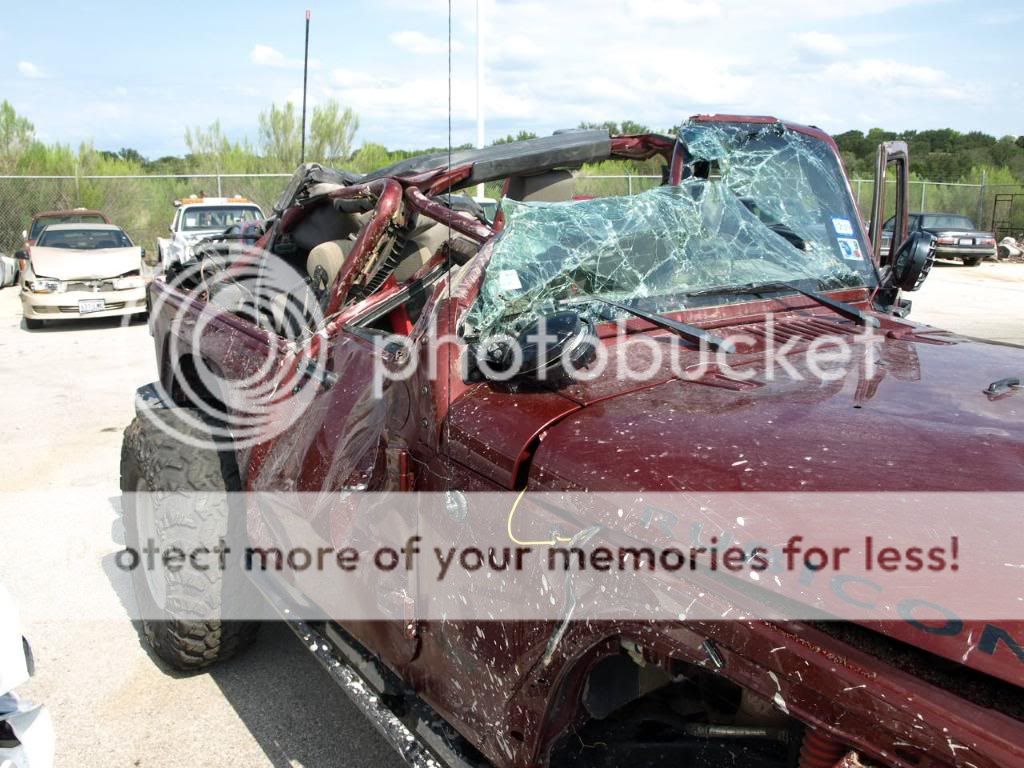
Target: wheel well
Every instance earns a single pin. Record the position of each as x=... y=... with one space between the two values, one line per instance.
x=186 y=385
x=630 y=709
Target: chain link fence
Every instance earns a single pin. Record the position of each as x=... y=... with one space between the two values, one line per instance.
x=143 y=205
x=985 y=204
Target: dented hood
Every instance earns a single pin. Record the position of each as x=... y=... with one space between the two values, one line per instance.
x=919 y=420
x=72 y=264
x=922 y=422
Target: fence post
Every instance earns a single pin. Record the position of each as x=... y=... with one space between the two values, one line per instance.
x=629 y=182
x=979 y=221
x=924 y=186
x=859 y=183
x=219 y=192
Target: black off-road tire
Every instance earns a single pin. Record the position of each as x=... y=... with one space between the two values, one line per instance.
x=152 y=460
x=972 y=262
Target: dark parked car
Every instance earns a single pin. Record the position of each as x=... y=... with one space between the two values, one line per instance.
x=956 y=237
x=755 y=228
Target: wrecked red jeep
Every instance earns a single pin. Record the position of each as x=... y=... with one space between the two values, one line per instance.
x=311 y=369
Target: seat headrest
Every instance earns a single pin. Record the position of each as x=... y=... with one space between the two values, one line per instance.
x=550 y=187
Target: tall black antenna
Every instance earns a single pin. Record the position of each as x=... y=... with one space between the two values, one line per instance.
x=305 y=74
x=448 y=287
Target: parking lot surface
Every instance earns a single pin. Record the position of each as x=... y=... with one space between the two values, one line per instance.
x=986 y=301
x=66 y=397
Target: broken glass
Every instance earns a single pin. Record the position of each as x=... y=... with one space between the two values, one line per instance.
x=760 y=203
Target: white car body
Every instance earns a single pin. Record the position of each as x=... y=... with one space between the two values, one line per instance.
x=70 y=282
x=8 y=270
x=30 y=724
x=187 y=228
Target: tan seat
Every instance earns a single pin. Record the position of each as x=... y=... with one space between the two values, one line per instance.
x=550 y=187
x=419 y=249
x=325 y=262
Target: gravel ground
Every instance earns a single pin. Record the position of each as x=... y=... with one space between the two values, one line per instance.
x=986 y=301
x=66 y=397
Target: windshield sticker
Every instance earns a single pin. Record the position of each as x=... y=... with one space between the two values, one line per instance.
x=508 y=280
x=850 y=248
x=842 y=226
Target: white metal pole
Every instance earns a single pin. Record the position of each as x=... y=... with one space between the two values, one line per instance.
x=479 y=85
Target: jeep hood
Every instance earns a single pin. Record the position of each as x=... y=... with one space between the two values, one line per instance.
x=922 y=422
x=72 y=264
x=919 y=420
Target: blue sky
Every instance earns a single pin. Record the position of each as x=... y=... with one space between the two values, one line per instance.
x=129 y=74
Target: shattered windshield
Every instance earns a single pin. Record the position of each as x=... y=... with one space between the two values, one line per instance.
x=759 y=204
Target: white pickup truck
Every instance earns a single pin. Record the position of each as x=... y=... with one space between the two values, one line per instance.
x=198 y=217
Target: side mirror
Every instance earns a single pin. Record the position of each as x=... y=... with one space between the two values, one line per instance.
x=142 y=252
x=170 y=228
x=545 y=352
x=913 y=261
x=21 y=255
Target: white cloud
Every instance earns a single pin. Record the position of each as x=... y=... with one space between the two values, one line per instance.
x=821 y=44
x=416 y=42
x=890 y=74
x=1001 y=18
x=30 y=70
x=834 y=9
x=266 y=56
x=552 y=65
x=641 y=60
x=351 y=78
x=676 y=12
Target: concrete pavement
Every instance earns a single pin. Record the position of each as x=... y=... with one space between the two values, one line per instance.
x=65 y=398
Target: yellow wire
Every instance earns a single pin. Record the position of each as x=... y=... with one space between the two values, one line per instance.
x=549 y=543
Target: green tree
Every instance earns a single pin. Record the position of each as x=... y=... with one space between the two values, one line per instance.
x=16 y=136
x=210 y=150
x=133 y=156
x=521 y=136
x=207 y=142
x=628 y=127
x=332 y=130
x=370 y=157
x=280 y=138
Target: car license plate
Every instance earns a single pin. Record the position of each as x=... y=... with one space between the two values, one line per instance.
x=91 y=305
x=966 y=241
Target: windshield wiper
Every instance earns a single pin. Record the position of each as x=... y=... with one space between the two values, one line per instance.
x=839 y=307
x=689 y=332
